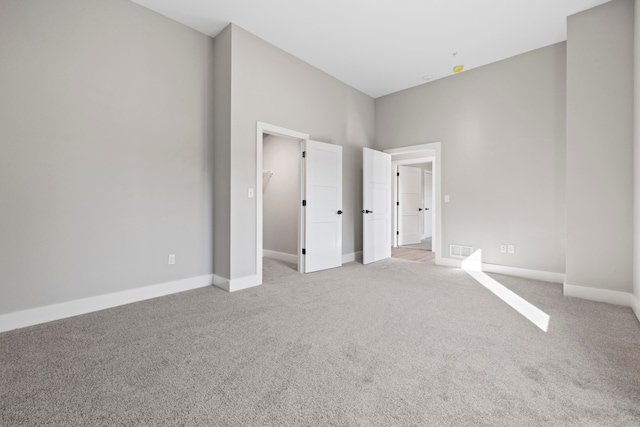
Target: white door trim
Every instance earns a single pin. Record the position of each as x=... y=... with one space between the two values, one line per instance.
x=415 y=161
x=261 y=129
x=437 y=174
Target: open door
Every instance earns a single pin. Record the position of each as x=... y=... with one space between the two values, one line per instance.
x=428 y=205
x=322 y=206
x=410 y=215
x=376 y=212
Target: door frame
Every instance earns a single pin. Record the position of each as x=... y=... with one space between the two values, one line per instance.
x=437 y=197
x=261 y=129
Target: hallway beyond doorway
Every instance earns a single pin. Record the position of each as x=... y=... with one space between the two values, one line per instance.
x=425 y=245
x=411 y=254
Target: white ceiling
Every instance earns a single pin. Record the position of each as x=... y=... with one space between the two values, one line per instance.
x=383 y=46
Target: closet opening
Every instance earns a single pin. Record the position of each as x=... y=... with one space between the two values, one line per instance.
x=281 y=195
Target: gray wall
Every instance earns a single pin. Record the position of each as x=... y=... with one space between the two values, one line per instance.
x=281 y=191
x=105 y=150
x=600 y=147
x=636 y=252
x=271 y=86
x=222 y=153
x=108 y=113
x=502 y=128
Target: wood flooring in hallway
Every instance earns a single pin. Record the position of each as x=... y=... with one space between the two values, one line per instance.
x=418 y=255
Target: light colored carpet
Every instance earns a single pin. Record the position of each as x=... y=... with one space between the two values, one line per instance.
x=395 y=343
x=424 y=244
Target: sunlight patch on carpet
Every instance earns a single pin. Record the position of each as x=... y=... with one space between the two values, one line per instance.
x=473 y=266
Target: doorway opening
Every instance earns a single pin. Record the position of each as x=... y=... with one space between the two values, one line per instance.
x=414 y=210
x=417 y=221
x=281 y=192
x=271 y=142
x=315 y=187
x=414 y=205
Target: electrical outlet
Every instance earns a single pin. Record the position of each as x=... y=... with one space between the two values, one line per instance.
x=511 y=249
x=503 y=249
x=172 y=259
x=250 y=193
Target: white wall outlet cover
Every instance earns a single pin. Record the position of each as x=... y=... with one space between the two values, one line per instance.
x=446 y=198
x=503 y=249
x=511 y=249
x=250 y=193
x=172 y=259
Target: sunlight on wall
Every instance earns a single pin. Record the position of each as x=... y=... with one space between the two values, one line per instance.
x=473 y=266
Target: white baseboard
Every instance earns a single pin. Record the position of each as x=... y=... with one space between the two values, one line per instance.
x=293 y=259
x=448 y=262
x=281 y=256
x=636 y=306
x=544 y=276
x=600 y=295
x=353 y=256
x=221 y=282
x=232 y=285
x=593 y=294
x=244 y=283
x=49 y=313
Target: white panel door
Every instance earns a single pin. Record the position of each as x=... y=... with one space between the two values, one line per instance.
x=323 y=211
x=428 y=205
x=410 y=192
x=376 y=212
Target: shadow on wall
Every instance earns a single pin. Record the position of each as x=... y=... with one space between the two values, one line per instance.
x=266 y=177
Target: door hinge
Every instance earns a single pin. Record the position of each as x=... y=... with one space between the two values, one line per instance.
x=397 y=233
x=397 y=173
x=304 y=154
x=304 y=251
x=397 y=203
x=304 y=203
